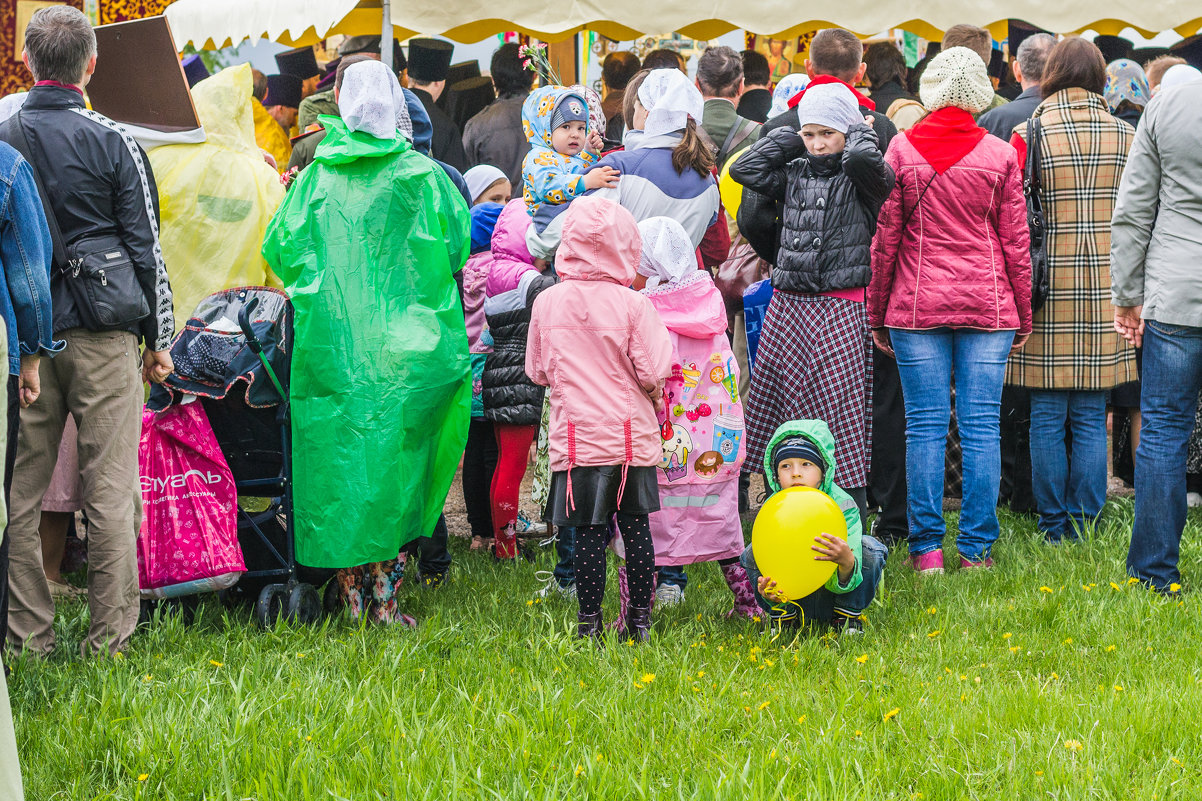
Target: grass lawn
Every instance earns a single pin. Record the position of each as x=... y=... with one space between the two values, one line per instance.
x=1048 y=677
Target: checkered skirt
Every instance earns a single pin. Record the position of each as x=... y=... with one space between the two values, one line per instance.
x=814 y=363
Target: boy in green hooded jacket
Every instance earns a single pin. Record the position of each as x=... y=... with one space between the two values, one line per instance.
x=801 y=453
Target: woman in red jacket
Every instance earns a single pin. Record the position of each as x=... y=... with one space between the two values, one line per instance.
x=951 y=297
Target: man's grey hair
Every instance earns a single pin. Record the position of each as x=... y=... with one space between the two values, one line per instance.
x=1033 y=55
x=719 y=71
x=59 y=41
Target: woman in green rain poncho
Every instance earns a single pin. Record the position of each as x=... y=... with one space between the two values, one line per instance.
x=366 y=243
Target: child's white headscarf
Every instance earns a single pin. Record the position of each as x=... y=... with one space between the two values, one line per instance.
x=668 y=253
x=670 y=100
x=789 y=85
x=371 y=101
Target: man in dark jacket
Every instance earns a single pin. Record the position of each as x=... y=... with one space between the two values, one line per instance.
x=102 y=194
x=756 y=101
x=836 y=55
x=1028 y=70
x=495 y=135
x=429 y=63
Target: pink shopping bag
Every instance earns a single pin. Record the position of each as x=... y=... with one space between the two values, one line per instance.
x=189 y=537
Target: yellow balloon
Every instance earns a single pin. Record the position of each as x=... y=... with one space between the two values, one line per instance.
x=730 y=191
x=783 y=537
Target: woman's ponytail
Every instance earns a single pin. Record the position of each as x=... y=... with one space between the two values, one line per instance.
x=693 y=151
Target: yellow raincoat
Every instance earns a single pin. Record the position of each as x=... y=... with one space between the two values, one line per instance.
x=216 y=198
x=270 y=135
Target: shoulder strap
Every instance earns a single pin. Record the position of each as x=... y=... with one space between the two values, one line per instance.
x=1031 y=170
x=14 y=133
x=736 y=136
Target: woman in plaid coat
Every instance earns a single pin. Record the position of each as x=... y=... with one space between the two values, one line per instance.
x=1074 y=356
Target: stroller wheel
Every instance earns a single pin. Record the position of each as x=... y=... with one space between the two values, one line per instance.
x=270 y=605
x=304 y=604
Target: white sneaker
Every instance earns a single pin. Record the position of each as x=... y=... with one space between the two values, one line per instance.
x=524 y=526
x=1193 y=500
x=552 y=587
x=669 y=595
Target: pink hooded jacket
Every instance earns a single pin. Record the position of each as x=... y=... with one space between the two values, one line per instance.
x=510 y=257
x=599 y=345
x=961 y=258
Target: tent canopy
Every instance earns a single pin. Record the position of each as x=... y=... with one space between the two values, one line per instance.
x=219 y=23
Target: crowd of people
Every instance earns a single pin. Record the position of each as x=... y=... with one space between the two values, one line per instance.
x=562 y=285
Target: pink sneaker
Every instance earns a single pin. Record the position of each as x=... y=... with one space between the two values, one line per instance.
x=968 y=564
x=929 y=562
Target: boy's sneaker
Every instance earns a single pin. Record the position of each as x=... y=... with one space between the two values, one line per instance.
x=845 y=626
x=525 y=527
x=982 y=564
x=928 y=563
x=669 y=595
x=553 y=587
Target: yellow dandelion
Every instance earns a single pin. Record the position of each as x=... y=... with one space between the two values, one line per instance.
x=1039 y=773
x=647 y=678
x=1118 y=688
x=148 y=677
x=696 y=689
x=892 y=713
x=1086 y=587
x=1068 y=641
x=1174 y=587
x=862 y=658
x=1055 y=676
x=1133 y=580
x=600 y=758
x=215 y=663
x=638 y=686
x=1114 y=586
x=529 y=603
x=858 y=733
x=308 y=739
x=1007 y=636
x=947 y=670
x=579 y=770
x=801 y=720
x=701 y=674
x=1109 y=648
x=300 y=656
x=1014 y=649
x=932 y=610
x=1176 y=762
x=1045 y=588
x=935 y=633
x=1073 y=745
x=144 y=776
x=762 y=706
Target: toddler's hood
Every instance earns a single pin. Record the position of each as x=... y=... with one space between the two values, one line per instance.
x=536 y=112
x=600 y=242
x=817 y=432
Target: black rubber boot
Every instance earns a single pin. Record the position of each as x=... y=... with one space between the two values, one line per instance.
x=589 y=626
x=638 y=623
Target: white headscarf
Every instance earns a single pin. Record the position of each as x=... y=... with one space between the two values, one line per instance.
x=1177 y=75
x=789 y=85
x=670 y=100
x=829 y=104
x=481 y=177
x=371 y=101
x=668 y=253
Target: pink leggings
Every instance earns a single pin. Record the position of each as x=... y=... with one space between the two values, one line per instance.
x=513 y=447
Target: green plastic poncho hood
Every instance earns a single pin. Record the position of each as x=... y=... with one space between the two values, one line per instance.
x=817 y=432
x=366 y=243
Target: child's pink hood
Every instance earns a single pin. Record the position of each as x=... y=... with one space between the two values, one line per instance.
x=510 y=257
x=598 y=244
x=691 y=308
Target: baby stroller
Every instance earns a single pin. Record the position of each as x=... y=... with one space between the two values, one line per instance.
x=234 y=354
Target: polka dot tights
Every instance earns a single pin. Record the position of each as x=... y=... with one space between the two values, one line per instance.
x=590 y=562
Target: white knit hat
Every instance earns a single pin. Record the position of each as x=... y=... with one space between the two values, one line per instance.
x=956 y=77
x=829 y=104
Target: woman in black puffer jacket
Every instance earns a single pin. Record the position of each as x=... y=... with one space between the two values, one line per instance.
x=814 y=360
x=512 y=402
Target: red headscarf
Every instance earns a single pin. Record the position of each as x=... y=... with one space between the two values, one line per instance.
x=945 y=136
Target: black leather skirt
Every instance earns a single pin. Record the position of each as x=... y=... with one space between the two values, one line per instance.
x=595 y=494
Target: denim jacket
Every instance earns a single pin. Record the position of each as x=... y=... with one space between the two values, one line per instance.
x=25 y=252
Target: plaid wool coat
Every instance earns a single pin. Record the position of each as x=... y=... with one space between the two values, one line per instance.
x=1073 y=344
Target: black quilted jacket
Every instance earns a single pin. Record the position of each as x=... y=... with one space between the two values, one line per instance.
x=509 y=396
x=830 y=204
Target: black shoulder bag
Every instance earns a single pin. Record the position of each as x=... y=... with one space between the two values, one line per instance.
x=97 y=270
x=1040 y=277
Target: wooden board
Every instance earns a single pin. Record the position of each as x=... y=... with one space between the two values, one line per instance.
x=138 y=78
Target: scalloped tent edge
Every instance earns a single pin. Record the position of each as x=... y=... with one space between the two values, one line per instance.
x=212 y=24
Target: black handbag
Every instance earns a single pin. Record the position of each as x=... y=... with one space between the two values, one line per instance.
x=98 y=273
x=1040 y=278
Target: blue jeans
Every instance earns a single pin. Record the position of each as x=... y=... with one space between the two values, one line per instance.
x=565 y=549
x=672 y=574
x=1069 y=492
x=821 y=605
x=1171 y=379
x=927 y=362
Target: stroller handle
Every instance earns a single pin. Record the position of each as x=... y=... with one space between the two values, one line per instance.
x=244 y=323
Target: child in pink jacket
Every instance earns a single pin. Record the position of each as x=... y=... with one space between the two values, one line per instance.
x=605 y=353
x=703 y=434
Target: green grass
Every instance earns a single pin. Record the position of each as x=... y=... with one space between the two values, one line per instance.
x=1004 y=690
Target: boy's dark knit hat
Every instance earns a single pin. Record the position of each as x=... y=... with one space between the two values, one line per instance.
x=570 y=108
x=798 y=448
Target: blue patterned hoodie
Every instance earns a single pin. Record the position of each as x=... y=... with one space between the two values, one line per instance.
x=549 y=176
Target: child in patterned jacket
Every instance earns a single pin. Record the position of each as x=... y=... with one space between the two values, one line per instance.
x=556 y=122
